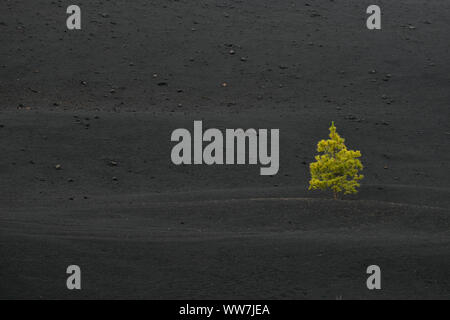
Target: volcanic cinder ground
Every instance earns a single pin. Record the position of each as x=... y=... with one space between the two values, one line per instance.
x=101 y=103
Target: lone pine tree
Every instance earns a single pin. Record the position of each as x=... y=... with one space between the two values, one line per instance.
x=337 y=167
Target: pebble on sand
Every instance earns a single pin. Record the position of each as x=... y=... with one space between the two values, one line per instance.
x=113 y=163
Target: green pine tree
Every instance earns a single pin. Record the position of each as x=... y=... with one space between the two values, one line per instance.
x=337 y=168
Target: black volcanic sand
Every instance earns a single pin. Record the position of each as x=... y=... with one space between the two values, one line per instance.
x=102 y=102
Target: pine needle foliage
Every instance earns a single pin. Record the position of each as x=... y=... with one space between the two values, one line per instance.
x=336 y=168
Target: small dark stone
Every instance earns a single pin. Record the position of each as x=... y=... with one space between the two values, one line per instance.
x=113 y=163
